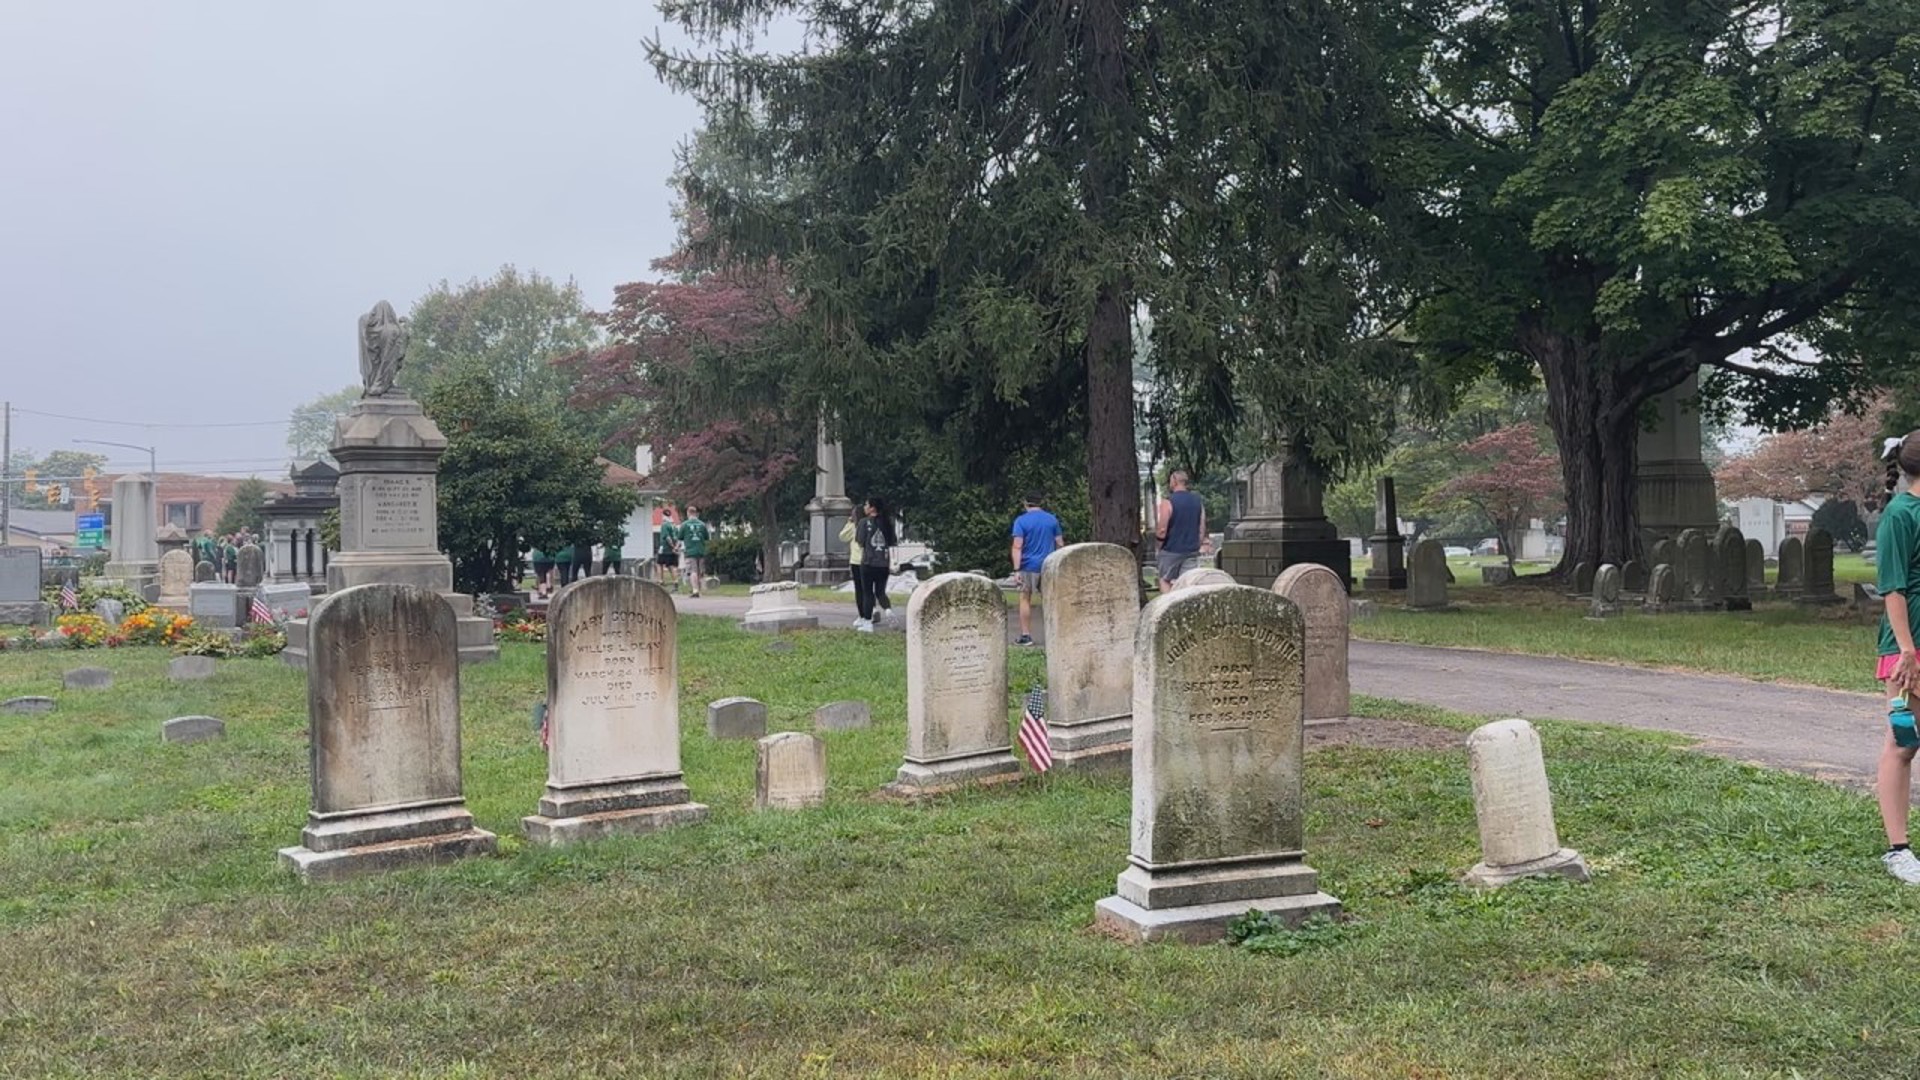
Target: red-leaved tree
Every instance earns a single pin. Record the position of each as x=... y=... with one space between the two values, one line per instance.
x=1838 y=459
x=1512 y=480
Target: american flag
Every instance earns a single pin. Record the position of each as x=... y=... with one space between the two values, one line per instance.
x=69 y=599
x=1033 y=730
x=258 y=611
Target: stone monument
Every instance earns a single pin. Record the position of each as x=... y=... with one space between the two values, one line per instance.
x=1389 y=567
x=957 y=725
x=1092 y=604
x=214 y=604
x=175 y=578
x=1730 y=568
x=1325 y=611
x=20 y=603
x=1633 y=576
x=203 y=572
x=383 y=703
x=1583 y=579
x=389 y=451
x=253 y=566
x=1427 y=576
x=613 y=714
x=826 y=562
x=1696 y=571
x=1515 y=809
x=1283 y=523
x=736 y=718
x=1218 y=804
x=1674 y=487
x=1663 y=589
x=1792 y=575
x=790 y=771
x=775 y=606
x=1756 y=568
x=1817 y=585
x=133 y=555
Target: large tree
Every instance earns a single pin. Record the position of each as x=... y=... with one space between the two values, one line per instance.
x=1620 y=193
x=310 y=430
x=982 y=195
x=1836 y=459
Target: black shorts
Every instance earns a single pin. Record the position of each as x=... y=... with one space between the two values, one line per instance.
x=667 y=558
x=541 y=567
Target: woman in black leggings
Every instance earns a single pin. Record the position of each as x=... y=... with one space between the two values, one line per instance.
x=874 y=534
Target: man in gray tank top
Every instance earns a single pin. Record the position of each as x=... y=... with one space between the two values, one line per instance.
x=1182 y=530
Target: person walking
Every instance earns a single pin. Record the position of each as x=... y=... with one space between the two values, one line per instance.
x=1898 y=539
x=542 y=572
x=610 y=560
x=693 y=549
x=666 y=552
x=229 y=563
x=582 y=561
x=1181 y=531
x=563 y=565
x=1036 y=533
x=874 y=540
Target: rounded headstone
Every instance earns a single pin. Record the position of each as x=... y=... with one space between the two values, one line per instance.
x=843 y=716
x=203 y=571
x=790 y=771
x=252 y=566
x=1514 y=806
x=1663 y=585
x=736 y=718
x=957 y=730
x=1793 y=565
x=1583 y=578
x=1321 y=596
x=1206 y=575
x=1606 y=584
x=87 y=678
x=110 y=611
x=190 y=668
x=1695 y=568
x=192 y=729
x=1427 y=575
x=23 y=706
x=1092 y=604
x=612 y=682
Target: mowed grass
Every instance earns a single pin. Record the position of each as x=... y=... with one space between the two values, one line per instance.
x=1739 y=923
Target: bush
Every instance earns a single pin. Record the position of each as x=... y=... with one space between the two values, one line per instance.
x=261 y=640
x=84 y=632
x=206 y=643
x=130 y=600
x=1842 y=518
x=733 y=556
x=154 y=626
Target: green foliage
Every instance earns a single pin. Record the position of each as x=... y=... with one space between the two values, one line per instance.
x=1262 y=933
x=310 y=430
x=260 y=640
x=514 y=477
x=732 y=556
x=216 y=643
x=969 y=522
x=243 y=511
x=131 y=601
x=330 y=529
x=1841 y=517
x=61 y=467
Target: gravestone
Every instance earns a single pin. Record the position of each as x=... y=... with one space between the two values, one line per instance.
x=1791 y=577
x=736 y=718
x=110 y=611
x=20 y=603
x=1818 y=585
x=1695 y=568
x=957 y=725
x=1218 y=807
x=1092 y=596
x=1206 y=575
x=176 y=576
x=1730 y=551
x=1388 y=568
x=383 y=709
x=287 y=601
x=1427 y=576
x=204 y=571
x=1514 y=807
x=1633 y=576
x=613 y=715
x=775 y=606
x=214 y=604
x=1756 y=568
x=27 y=706
x=192 y=729
x=790 y=771
x=1498 y=574
x=1663 y=588
x=1583 y=579
x=843 y=716
x=190 y=668
x=1324 y=608
x=253 y=566
x=1663 y=550
x=1606 y=592
x=87 y=678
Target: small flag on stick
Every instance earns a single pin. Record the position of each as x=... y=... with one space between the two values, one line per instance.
x=258 y=611
x=1033 y=730
x=69 y=599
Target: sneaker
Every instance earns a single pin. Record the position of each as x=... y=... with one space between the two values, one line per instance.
x=865 y=626
x=1903 y=865
x=1023 y=639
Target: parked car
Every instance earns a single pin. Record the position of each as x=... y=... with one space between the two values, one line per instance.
x=1458 y=553
x=1489 y=546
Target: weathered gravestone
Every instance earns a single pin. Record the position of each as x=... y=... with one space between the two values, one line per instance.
x=26 y=706
x=843 y=716
x=1730 y=552
x=1092 y=604
x=110 y=611
x=1756 y=568
x=204 y=571
x=253 y=566
x=1818 y=586
x=176 y=576
x=214 y=604
x=790 y=771
x=1633 y=576
x=1515 y=809
x=286 y=601
x=1206 y=575
x=1583 y=579
x=775 y=606
x=1322 y=599
x=1696 y=567
x=736 y=718
x=957 y=731
x=1792 y=574
x=383 y=707
x=613 y=715
x=1218 y=805
x=1427 y=576
x=192 y=729
x=1606 y=592
x=1663 y=550
x=1663 y=588
x=87 y=678
x=190 y=668
x=20 y=603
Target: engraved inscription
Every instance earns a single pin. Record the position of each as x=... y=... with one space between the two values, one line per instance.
x=397 y=512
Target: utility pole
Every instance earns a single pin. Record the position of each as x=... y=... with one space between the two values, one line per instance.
x=6 y=472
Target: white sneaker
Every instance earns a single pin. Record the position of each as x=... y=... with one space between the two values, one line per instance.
x=865 y=626
x=1903 y=865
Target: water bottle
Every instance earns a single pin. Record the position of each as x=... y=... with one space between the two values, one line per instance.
x=1901 y=717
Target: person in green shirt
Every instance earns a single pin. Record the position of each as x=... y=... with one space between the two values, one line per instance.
x=693 y=548
x=563 y=563
x=610 y=560
x=204 y=550
x=229 y=560
x=542 y=572
x=1898 y=541
x=666 y=552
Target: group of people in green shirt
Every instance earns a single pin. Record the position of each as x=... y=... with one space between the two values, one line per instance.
x=222 y=552
x=680 y=549
x=569 y=564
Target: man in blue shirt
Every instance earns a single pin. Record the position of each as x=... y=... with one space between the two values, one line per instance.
x=1182 y=530
x=1035 y=534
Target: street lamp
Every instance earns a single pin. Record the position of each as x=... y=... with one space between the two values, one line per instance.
x=152 y=472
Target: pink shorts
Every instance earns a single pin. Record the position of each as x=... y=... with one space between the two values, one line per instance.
x=1887 y=664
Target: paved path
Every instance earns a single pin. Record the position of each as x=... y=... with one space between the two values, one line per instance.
x=1826 y=733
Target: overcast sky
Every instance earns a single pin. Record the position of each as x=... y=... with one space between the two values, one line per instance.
x=198 y=199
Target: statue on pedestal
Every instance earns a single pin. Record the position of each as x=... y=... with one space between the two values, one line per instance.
x=383 y=345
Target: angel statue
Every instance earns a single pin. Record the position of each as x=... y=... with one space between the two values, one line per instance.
x=383 y=344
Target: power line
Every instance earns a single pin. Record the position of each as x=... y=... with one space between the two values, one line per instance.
x=145 y=424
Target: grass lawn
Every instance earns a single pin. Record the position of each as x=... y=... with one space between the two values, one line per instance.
x=1738 y=925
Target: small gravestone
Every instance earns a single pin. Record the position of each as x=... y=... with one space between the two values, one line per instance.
x=26 y=706
x=775 y=606
x=1427 y=576
x=790 y=771
x=286 y=601
x=957 y=723
x=110 y=611
x=1606 y=592
x=1663 y=588
x=1790 y=577
x=204 y=571
x=613 y=715
x=1730 y=549
x=1663 y=550
x=20 y=603
x=1206 y=575
x=843 y=716
x=1695 y=568
x=190 y=668
x=1499 y=574
x=192 y=729
x=383 y=710
x=176 y=575
x=1322 y=599
x=1515 y=809
x=87 y=678
x=1362 y=609
x=736 y=718
x=253 y=566
x=1092 y=603
x=214 y=604
x=1583 y=579
x=1633 y=576
x=1219 y=810
x=1818 y=587
x=1756 y=568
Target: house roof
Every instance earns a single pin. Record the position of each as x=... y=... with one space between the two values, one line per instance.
x=40 y=522
x=614 y=474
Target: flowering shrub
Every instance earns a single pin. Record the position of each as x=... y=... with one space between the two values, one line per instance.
x=154 y=626
x=262 y=639
x=82 y=631
x=522 y=627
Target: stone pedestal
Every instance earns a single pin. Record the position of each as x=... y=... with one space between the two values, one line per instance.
x=828 y=511
x=133 y=555
x=775 y=607
x=1673 y=484
x=1284 y=525
x=1389 y=548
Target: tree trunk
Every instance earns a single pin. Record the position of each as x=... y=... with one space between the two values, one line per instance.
x=769 y=527
x=1598 y=433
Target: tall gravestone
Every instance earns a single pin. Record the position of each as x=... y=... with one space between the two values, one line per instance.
x=1817 y=586
x=389 y=453
x=1663 y=550
x=1730 y=558
x=1756 y=568
x=1695 y=568
x=1092 y=603
x=1792 y=575
x=253 y=566
x=176 y=577
x=383 y=705
x=1218 y=804
x=1583 y=579
x=1388 y=569
x=1672 y=484
x=1324 y=608
x=133 y=554
x=613 y=714
x=1284 y=522
x=827 y=562
x=957 y=731
x=1427 y=576
x=20 y=603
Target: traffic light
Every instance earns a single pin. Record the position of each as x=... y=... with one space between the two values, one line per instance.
x=90 y=483
x=33 y=483
x=53 y=494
